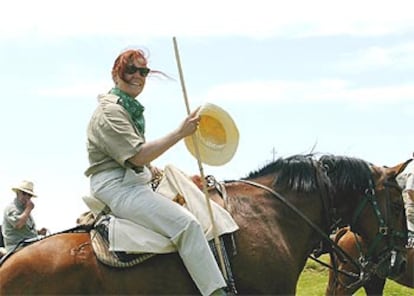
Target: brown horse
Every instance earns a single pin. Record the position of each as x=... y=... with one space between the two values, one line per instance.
x=347 y=279
x=283 y=211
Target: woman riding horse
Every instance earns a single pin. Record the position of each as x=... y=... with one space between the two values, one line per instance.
x=299 y=194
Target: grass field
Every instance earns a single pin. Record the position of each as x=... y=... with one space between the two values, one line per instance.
x=314 y=279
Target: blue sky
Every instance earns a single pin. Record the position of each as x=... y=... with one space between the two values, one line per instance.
x=332 y=76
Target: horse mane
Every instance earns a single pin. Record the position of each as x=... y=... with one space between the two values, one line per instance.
x=301 y=172
x=348 y=172
x=297 y=172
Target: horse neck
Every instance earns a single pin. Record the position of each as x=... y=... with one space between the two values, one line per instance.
x=256 y=209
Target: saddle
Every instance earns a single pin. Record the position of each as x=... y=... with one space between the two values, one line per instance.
x=99 y=219
x=100 y=245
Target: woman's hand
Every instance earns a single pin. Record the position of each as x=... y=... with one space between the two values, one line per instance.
x=190 y=124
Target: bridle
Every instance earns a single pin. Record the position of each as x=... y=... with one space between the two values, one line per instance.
x=385 y=230
x=385 y=262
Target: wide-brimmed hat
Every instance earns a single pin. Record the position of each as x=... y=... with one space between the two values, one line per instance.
x=217 y=136
x=25 y=186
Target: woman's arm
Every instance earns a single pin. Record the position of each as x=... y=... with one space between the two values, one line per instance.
x=153 y=149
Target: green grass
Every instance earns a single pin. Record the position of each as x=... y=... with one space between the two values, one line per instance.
x=314 y=279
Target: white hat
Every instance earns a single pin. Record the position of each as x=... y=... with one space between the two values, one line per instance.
x=217 y=136
x=25 y=186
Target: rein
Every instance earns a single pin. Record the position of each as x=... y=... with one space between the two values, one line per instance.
x=289 y=205
x=300 y=214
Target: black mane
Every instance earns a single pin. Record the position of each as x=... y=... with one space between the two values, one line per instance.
x=301 y=173
x=297 y=172
x=348 y=173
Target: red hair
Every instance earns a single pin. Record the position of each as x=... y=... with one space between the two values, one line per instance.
x=126 y=58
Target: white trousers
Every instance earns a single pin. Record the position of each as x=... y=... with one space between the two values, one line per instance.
x=130 y=196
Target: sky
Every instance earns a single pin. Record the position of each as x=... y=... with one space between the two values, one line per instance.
x=295 y=76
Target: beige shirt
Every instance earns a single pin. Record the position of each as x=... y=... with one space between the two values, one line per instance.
x=112 y=136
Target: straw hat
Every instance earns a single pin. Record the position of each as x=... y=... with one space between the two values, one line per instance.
x=25 y=186
x=217 y=136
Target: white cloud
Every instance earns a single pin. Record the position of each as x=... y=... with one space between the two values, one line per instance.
x=300 y=91
x=261 y=18
x=396 y=57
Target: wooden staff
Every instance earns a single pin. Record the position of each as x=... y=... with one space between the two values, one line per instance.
x=200 y=166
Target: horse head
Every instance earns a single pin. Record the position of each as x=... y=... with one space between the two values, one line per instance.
x=368 y=199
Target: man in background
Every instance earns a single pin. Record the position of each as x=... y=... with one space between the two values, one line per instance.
x=18 y=223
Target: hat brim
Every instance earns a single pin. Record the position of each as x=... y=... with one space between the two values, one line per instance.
x=15 y=189
x=217 y=136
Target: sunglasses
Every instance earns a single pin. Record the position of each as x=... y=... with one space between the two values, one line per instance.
x=27 y=194
x=132 y=69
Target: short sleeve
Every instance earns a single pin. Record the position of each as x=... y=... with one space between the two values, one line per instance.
x=11 y=214
x=115 y=134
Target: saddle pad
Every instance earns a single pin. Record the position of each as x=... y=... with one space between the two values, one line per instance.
x=101 y=249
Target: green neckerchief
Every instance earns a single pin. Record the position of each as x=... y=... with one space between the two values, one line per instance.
x=134 y=108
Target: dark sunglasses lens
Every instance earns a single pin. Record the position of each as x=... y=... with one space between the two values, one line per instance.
x=144 y=71
x=131 y=69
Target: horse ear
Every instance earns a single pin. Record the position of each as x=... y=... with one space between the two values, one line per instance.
x=392 y=172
